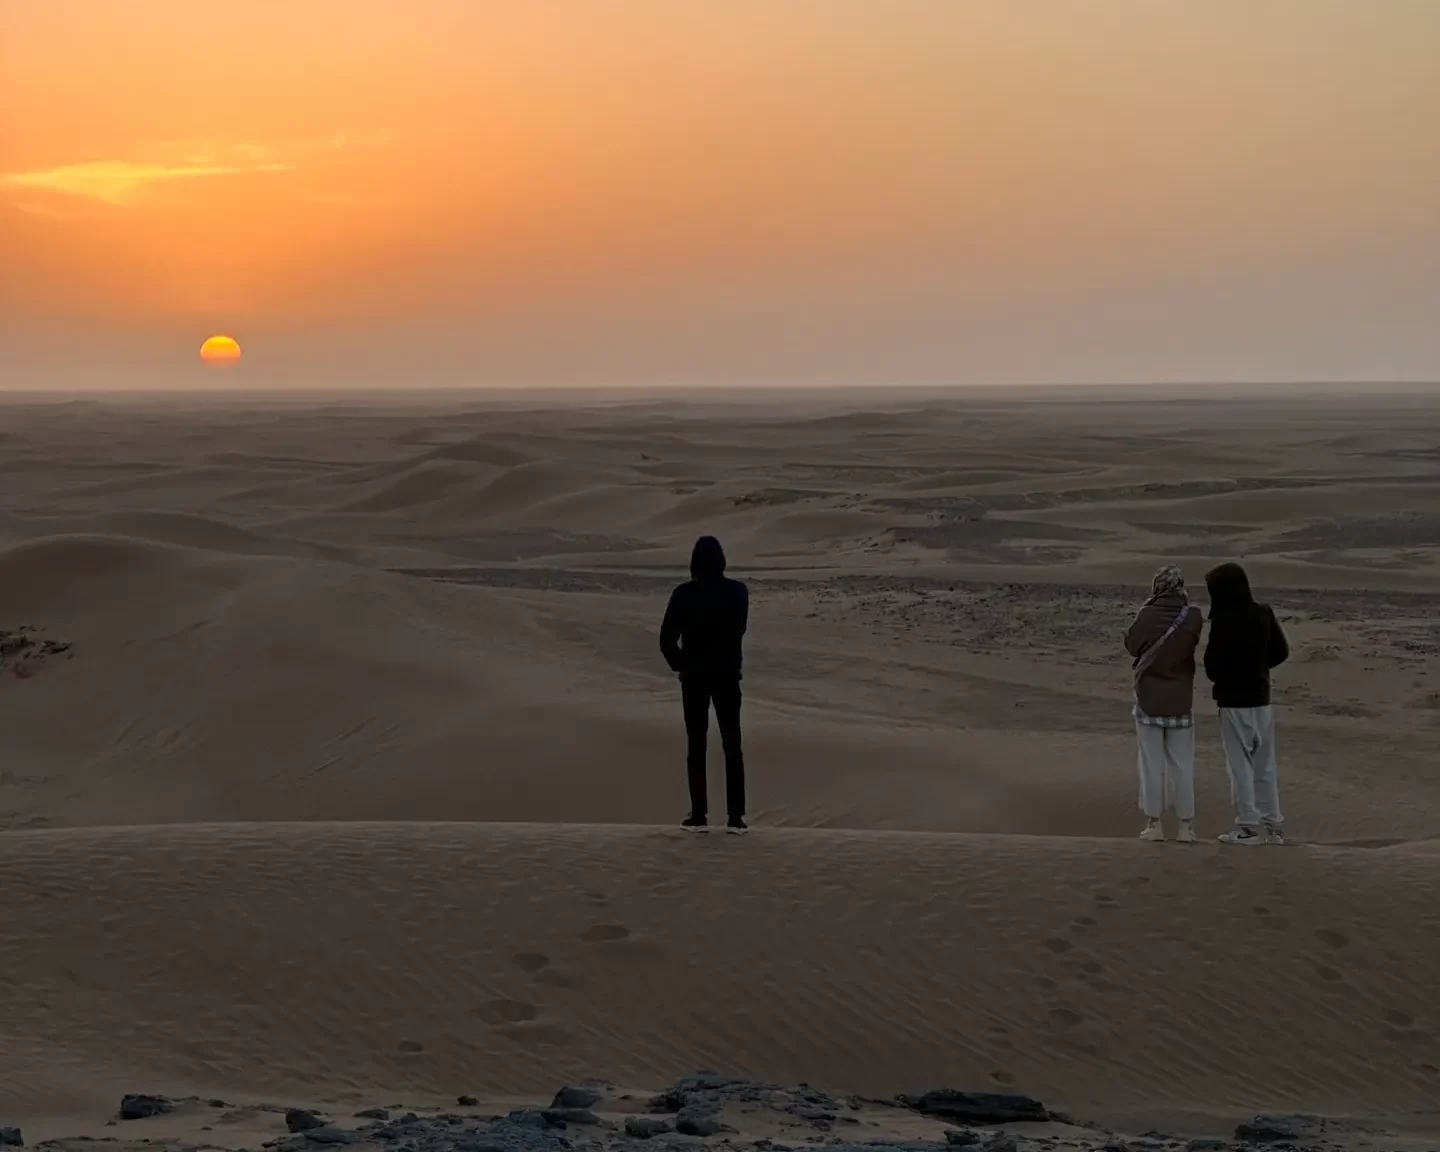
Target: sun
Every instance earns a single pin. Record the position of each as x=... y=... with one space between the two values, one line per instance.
x=220 y=350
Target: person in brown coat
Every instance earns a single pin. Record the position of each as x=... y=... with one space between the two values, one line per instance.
x=1162 y=643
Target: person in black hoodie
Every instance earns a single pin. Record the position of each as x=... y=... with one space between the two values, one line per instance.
x=1246 y=642
x=701 y=639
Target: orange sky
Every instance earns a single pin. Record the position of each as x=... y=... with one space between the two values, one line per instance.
x=451 y=191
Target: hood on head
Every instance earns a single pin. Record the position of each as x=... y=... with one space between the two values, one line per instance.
x=707 y=559
x=1229 y=588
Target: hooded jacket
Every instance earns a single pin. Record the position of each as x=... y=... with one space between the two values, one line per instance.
x=1246 y=641
x=1167 y=686
x=706 y=618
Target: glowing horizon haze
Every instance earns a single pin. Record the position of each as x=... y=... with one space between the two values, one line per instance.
x=421 y=192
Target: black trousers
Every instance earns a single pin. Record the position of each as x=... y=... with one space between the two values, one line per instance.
x=698 y=695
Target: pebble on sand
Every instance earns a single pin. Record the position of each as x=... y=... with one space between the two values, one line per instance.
x=141 y=1106
x=577 y=1096
x=646 y=1127
x=302 y=1120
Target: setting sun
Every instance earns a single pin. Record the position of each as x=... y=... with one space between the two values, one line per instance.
x=220 y=350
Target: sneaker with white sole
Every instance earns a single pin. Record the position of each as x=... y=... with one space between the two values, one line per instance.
x=1275 y=836
x=1186 y=835
x=695 y=824
x=736 y=826
x=1153 y=833
x=1245 y=837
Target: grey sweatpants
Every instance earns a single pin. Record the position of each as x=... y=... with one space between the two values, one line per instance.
x=1248 y=735
x=1167 y=770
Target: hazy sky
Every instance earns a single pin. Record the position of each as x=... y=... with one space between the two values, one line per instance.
x=719 y=191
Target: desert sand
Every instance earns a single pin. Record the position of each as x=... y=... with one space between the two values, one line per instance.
x=339 y=767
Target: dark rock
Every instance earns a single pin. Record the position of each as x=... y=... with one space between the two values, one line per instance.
x=1207 y=1144
x=961 y=1137
x=692 y=1121
x=139 y=1106
x=302 y=1120
x=646 y=1127
x=978 y=1107
x=1001 y=1142
x=706 y=1087
x=373 y=1114
x=328 y=1135
x=577 y=1096
x=467 y=1101
x=1268 y=1129
x=11 y=1138
x=534 y=1118
x=562 y=1116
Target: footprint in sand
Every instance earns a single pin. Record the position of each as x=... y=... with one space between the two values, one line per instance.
x=1105 y=900
x=1332 y=938
x=604 y=933
x=1002 y=1077
x=410 y=1047
x=1397 y=1019
x=1066 y=1018
x=496 y=1012
x=1328 y=974
x=1260 y=910
x=1137 y=881
x=1084 y=922
x=530 y=962
x=1045 y=984
x=1092 y=967
x=1428 y=1069
x=1059 y=945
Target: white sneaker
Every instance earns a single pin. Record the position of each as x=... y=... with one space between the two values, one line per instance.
x=1153 y=833
x=1246 y=837
x=1186 y=835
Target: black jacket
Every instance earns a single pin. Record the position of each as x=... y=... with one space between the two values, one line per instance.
x=706 y=618
x=1246 y=641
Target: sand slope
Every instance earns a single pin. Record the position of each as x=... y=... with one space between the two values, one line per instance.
x=252 y=645
x=313 y=961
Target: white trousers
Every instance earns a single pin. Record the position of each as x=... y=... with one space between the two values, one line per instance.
x=1248 y=735
x=1167 y=770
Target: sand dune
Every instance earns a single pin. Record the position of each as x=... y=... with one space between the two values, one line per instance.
x=433 y=959
x=260 y=666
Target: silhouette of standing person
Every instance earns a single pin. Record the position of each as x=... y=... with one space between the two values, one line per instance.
x=701 y=639
x=1246 y=642
x=1162 y=641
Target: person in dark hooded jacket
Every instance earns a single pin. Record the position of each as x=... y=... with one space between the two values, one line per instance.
x=1246 y=642
x=701 y=639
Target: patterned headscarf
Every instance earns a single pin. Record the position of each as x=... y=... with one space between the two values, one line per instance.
x=1167 y=579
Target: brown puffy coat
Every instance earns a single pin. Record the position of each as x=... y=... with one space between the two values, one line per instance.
x=1167 y=686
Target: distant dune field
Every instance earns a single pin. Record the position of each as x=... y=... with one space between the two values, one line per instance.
x=338 y=763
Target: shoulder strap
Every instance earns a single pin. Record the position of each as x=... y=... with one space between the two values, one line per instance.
x=1147 y=658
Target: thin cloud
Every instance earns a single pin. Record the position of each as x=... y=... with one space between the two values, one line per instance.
x=120 y=182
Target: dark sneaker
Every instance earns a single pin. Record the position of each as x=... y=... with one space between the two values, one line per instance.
x=695 y=824
x=1275 y=836
x=736 y=826
x=1245 y=837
